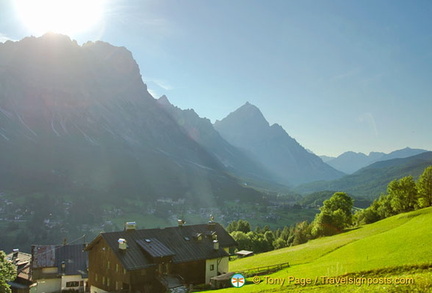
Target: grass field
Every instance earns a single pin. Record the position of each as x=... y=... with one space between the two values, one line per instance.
x=393 y=255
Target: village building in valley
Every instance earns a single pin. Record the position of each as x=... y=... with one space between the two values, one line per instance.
x=158 y=260
x=58 y=268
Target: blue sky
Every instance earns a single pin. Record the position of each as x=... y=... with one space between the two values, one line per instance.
x=337 y=75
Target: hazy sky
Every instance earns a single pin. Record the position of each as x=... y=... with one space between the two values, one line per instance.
x=337 y=75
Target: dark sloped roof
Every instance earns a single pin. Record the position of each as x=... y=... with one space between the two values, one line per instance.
x=73 y=256
x=178 y=240
x=155 y=248
x=43 y=256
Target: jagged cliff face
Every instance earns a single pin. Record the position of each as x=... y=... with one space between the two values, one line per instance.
x=56 y=88
x=79 y=119
x=247 y=128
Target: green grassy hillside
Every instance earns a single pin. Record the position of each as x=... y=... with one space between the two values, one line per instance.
x=396 y=249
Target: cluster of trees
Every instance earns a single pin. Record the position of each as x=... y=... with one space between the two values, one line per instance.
x=336 y=215
x=403 y=195
x=264 y=239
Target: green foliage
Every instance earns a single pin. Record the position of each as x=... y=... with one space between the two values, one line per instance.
x=302 y=233
x=240 y=225
x=403 y=194
x=243 y=240
x=279 y=243
x=335 y=215
x=7 y=273
x=264 y=239
x=366 y=216
x=424 y=187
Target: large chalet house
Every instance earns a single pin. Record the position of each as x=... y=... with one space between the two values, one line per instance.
x=58 y=268
x=158 y=260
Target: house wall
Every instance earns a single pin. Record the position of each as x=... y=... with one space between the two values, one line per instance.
x=223 y=266
x=105 y=272
x=45 y=273
x=143 y=281
x=215 y=267
x=73 y=278
x=94 y=289
x=46 y=286
x=211 y=269
x=192 y=272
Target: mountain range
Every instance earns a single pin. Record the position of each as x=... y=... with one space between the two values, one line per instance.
x=372 y=180
x=350 y=162
x=79 y=120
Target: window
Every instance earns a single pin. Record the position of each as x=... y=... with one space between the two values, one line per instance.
x=96 y=277
x=211 y=267
x=117 y=267
x=108 y=281
x=108 y=265
x=72 y=284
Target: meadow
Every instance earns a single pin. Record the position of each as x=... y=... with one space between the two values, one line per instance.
x=391 y=255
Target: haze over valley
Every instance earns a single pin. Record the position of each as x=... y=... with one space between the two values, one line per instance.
x=86 y=147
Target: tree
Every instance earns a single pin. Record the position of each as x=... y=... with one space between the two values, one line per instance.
x=243 y=225
x=279 y=243
x=366 y=216
x=301 y=233
x=335 y=215
x=7 y=273
x=403 y=194
x=383 y=206
x=424 y=188
x=240 y=225
x=242 y=239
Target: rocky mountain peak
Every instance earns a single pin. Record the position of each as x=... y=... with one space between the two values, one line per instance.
x=248 y=129
x=163 y=100
x=246 y=121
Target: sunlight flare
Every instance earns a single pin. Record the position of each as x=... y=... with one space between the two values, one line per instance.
x=60 y=16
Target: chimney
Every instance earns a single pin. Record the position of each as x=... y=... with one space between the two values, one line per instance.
x=63 y=267
x=130 y=226
x=215 y=245
x=122 y=243
x=15 y=255
x=198 y=236
x=211 y=223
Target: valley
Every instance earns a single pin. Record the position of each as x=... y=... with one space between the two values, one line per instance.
x=86 y=147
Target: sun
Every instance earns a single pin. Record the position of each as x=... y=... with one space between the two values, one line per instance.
x=67 y=17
